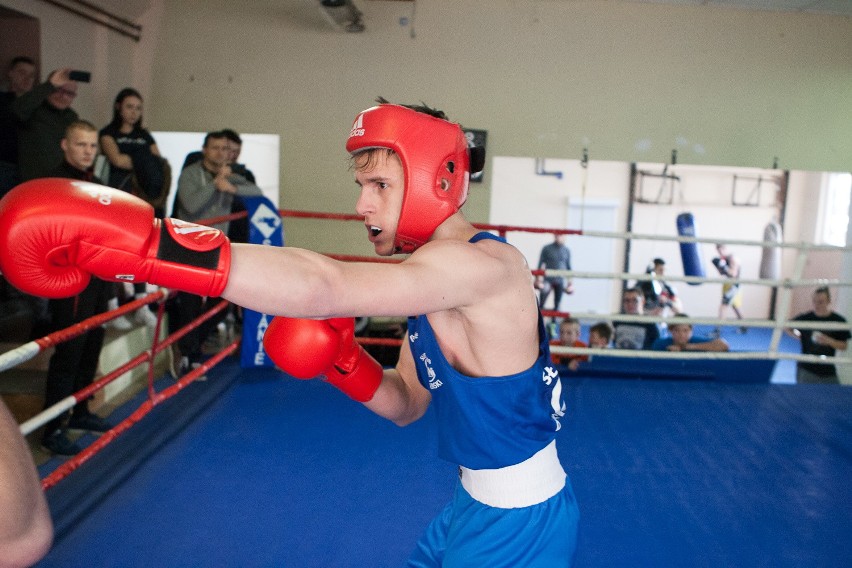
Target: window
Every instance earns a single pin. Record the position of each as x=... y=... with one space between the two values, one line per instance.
x=838 y=187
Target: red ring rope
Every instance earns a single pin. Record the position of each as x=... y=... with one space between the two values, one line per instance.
x=107 y=437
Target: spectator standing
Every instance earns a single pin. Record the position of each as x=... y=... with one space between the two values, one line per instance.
x=554 y=256
x=206 y=189
x=74 y=363
x=20 y=77
x=824 y=343
x=239 y=229
x=135 y=167
x=235 y=147
x=43 y=114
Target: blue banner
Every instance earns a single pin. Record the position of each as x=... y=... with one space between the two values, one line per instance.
x=265 y=228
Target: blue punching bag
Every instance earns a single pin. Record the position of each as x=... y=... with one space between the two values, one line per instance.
x=690 y=253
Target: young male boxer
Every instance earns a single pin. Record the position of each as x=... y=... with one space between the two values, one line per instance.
x=476 y=344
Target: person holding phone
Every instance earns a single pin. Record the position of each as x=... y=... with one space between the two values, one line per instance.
x=43 y=114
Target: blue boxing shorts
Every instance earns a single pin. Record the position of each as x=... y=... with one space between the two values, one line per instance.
x=470 y=534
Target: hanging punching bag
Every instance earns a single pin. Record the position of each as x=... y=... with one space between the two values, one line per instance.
x=690 y=253
x=770 y=259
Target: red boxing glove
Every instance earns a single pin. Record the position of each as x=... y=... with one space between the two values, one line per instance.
x=306 y=348
x=56 y=233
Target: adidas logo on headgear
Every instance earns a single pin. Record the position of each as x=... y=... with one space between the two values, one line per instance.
x=358 y=127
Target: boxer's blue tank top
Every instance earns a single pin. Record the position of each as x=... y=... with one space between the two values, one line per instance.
x=488 y=422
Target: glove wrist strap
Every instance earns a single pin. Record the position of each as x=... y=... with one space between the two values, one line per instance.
x=364 y=380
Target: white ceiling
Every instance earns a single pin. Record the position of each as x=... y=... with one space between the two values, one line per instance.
x=829 y=7
x=132 y=9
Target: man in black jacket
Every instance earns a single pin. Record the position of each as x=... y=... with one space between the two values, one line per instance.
x=74 y=363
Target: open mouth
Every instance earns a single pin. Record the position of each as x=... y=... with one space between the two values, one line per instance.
x=374 y=231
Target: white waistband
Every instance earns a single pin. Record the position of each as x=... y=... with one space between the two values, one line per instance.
x=530 y=482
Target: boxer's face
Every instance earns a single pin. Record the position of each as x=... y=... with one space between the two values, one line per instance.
x=382 y=184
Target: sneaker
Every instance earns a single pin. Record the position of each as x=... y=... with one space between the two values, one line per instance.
x=214 y=342
x=121 y=323
x=182 y=367
x=742 y=329
x=199 y=377
x=90 y=422
x=58 y=443
x=144 y=316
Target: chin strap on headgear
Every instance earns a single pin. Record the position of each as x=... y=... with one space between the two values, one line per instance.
x=436 y=165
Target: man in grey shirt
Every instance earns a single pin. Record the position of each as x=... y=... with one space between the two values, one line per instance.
x=207 y=188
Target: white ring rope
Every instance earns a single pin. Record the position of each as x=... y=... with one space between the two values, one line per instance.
x=786 y=283
x=683 y=239
x=19 y=355
x=745 y=322
x=700 y=355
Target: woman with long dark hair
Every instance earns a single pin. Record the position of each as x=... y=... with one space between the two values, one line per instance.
x=135 y=166
x=131 y=150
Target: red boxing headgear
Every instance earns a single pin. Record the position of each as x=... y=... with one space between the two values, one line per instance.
x=435 y=165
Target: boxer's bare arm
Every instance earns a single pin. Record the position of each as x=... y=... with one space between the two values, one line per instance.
x=440 y=275
x=26 y=531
